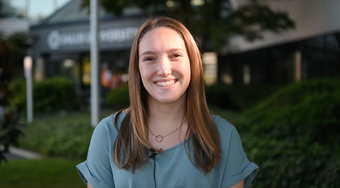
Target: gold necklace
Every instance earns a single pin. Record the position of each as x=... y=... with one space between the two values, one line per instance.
x=159 y=138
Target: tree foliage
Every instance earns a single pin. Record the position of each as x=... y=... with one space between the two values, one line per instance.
x=213 y=22
x=12 y=51
x=10 y=131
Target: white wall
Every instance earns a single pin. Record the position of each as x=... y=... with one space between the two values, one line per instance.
x=312 y=18
x=13 y=25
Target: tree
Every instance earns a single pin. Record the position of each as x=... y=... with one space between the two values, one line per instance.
x=12 y=51
x=213 y=22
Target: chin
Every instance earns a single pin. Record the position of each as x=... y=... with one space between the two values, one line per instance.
x=168 y=100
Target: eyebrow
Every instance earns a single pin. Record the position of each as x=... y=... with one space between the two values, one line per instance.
x=147 y=52
x=152 y=52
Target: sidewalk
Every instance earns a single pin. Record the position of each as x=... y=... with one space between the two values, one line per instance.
x=17 y=153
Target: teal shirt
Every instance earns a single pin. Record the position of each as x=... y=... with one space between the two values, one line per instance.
x=173 y=167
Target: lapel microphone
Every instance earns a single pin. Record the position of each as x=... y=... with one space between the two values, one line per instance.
x=153 y=155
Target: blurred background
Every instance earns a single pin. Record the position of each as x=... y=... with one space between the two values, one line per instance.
x=271 y=67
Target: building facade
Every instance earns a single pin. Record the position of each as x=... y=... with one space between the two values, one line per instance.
x=311 y=50
x=61 y=46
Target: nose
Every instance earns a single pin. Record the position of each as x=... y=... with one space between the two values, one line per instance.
x=164 y=67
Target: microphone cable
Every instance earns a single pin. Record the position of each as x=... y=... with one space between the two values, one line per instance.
x=153 y=155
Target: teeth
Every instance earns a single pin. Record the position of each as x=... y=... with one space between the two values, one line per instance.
x=167 y=83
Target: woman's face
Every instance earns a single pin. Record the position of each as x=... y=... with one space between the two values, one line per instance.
x=164 y=65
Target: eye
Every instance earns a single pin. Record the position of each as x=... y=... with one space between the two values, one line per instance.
x=147 y=59
x=175 y=55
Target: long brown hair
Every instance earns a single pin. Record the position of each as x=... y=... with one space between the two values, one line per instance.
x=132 y=144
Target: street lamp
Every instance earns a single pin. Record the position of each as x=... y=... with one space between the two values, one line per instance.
x=94 y=63
x=29 y=90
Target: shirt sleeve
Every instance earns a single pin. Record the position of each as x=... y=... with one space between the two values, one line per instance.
x=96 y=170
x=238 y=167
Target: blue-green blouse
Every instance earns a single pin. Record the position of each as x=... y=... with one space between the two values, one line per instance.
x=173 y=167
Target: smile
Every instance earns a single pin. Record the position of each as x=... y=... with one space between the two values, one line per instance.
x=166 y=83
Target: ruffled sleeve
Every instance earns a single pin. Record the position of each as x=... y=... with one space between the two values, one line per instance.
x=238 y=166
x=234 y=161
x=97 y=170
x=85 y=175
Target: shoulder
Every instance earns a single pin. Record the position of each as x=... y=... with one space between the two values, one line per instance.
x=222 y=124
x=228 y=132
x=234 y=164
x=107 y=125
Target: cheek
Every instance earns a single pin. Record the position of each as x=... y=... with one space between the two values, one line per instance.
x=144 y=73
x=188 y=70
x=141 y=71
x=188 y=76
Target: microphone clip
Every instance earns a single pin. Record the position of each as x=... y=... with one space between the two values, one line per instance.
x=153 y=153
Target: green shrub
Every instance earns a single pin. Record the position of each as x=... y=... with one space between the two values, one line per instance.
x=119 y=97
x=237 y=97
x=307 y=109
x=63 y=141
x=52 y=94
x=292 y=164
x=18 y=94
x=293 y=135
x=61 y=138
x=10 y=132
x=65 y=135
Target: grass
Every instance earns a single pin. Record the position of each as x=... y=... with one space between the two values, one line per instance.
x=53 y=136
x=40 y=173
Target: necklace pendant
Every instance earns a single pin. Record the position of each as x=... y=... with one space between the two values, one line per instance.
x=159 y=138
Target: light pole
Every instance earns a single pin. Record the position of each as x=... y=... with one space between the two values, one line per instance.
x=29 y=88
x=94 y=64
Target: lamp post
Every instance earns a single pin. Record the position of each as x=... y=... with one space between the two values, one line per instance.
x=29 y=92
x=94 y=63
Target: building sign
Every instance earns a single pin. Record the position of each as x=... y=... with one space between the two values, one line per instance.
x=56 y=39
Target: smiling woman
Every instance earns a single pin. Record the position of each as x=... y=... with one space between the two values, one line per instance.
x=167 y=137
x=164 y=66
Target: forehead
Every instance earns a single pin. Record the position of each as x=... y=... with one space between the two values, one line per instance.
x=161 y=37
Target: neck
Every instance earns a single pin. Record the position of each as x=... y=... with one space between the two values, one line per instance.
x=166 y=114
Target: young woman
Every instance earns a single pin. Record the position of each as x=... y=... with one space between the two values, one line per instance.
x=167 y=137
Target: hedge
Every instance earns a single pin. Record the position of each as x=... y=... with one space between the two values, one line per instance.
x=118 y=97
x=51 y=94
x=238 y=97
x=70 y=140
x=294 y=135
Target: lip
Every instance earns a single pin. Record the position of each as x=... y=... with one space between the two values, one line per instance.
x=166 y=83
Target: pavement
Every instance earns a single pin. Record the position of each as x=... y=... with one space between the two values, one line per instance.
x=17 y=153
